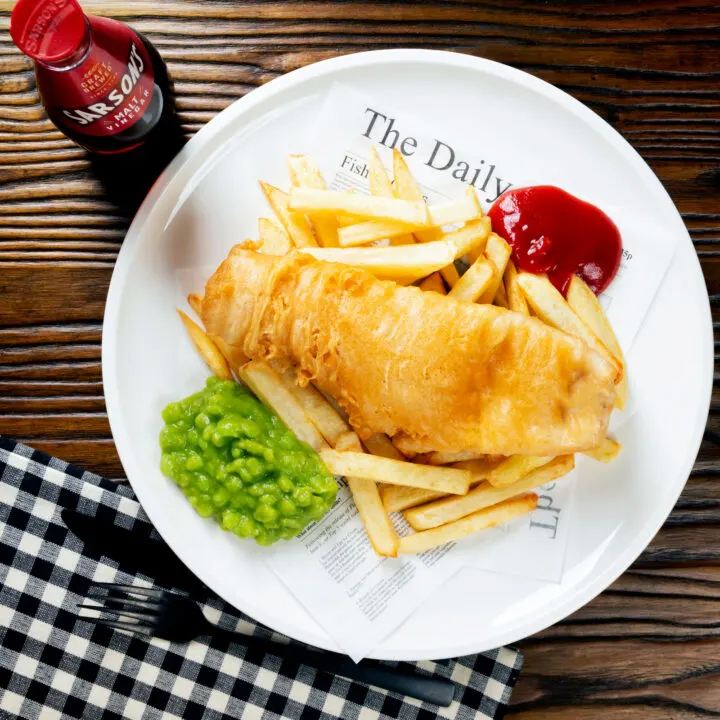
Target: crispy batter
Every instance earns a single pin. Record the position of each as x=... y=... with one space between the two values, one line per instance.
x=439 y=374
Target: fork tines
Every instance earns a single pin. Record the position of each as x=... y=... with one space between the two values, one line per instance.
x=141 y=628
x=131 y=589
x=137 y=614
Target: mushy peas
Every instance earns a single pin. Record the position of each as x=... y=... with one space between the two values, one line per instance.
x=235 y=460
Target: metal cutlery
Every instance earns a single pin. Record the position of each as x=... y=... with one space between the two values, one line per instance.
x=160 y=613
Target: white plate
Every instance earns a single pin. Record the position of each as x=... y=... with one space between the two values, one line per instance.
x=209 y=199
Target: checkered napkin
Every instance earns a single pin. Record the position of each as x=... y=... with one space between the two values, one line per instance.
x=53 y=665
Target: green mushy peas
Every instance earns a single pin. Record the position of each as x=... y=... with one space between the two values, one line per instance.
x=235 y=460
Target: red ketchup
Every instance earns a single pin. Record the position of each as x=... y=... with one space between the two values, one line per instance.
x=551 y=231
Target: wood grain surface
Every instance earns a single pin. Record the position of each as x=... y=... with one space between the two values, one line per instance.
x=649 y=647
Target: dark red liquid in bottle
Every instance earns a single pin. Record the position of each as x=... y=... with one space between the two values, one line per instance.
x=101 y=83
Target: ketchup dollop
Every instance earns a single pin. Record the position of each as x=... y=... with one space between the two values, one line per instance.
x=551 y=231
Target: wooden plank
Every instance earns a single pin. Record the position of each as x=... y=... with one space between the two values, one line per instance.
x=98 y=454
x=61 y=292
x=622 y=678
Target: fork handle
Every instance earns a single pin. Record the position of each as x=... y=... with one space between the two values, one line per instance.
x=436 y=690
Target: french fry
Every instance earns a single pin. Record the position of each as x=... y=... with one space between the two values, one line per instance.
x=365 y=232
x=366 y=495
x=471 y=194
x=479 y=467
x=515 y=297
x=304 y=173
x=514 y=468
x=377 y=176
x=206 y=347
x=450 y=275
x=378 y=526
x=268 y=386
x=406 y=453
x=498 y=253
x=380 y=185
x=274 y=239
x=481 y=520
x=396 y=472
x=550 y=306
x=343 y=219
x=464 y=209
x=605 y=452
x=396 y=497
x=336 y=405
x=471 y=237
x=296 y=224
x=484 y=495
x=195 y=302
x=249 y=244
x=478 y=278
x=380 y=445
x=316 y=407
x=404 y=183
x=585 y=303
x=235 y=356
x=449 y=458
x=433 y=283
x=474 y=234
x=313 y=201
x=404 y=445
x=403 y=263
x=349 y=441
x=501 y=299
x=406 y=188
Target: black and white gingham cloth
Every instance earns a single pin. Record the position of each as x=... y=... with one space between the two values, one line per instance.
x=53 y=665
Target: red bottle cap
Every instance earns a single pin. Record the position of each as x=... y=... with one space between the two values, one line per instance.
x=47 y=30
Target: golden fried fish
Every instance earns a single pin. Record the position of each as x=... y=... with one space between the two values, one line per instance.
x=435 y=373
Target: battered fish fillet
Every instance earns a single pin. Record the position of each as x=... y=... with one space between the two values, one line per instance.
x=442 y=375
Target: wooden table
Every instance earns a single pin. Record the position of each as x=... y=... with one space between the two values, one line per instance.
x=649 y=647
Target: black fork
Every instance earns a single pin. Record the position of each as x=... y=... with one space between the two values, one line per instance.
x=159 y=613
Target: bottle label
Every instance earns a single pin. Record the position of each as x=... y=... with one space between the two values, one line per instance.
x=110 y=90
